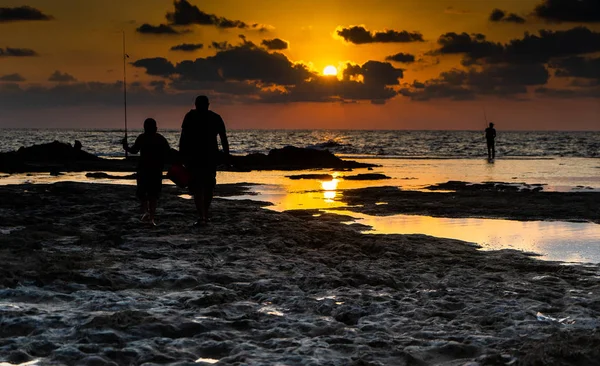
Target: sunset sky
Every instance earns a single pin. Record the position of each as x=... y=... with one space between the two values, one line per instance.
x=408 y=64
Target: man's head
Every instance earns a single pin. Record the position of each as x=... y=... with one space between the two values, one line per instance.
x=150 y=125
x=202 y=102
x=491 y=124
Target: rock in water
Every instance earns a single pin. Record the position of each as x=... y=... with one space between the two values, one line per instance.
x=292 y=158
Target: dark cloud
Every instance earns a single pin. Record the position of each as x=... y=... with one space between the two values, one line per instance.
x=275 y=44
x=452 y=10
x=374 y=72
x=569 y=10
x=245 y=91
x=220 y=45
x=59 y=77
x=360 y=35
x=17 y=52
x=432 y=90
x=157 y=29
x=157 y=66
x=498 y=15
x=508 y=81
x=474 y=46
x=531 y=48
x=493 y=76
x=549 y=44
x=22 y=13
x=327 y=89
x=253 y=74
x=86 y=94
x=187 y=47
x=239 y=63
x=262 y=28
x=574 y=93
x=578 y=67
x=514 y=18
x=187 y=14
x=12 y=77
x=248 y=62
x=371 y=81
x=401 y=57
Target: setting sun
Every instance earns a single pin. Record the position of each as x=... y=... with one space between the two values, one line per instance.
x=330 y=70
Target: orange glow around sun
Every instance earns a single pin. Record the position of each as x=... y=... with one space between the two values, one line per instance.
x=330 y=70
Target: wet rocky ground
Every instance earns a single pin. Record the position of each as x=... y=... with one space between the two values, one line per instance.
x=487 y=200
x=83 y=281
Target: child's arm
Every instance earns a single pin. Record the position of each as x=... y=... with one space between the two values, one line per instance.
x=132 y=149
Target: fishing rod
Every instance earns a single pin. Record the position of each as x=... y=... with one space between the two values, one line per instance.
x=485 y=117
x=125 y=56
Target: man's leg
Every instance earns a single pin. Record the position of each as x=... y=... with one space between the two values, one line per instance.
x=199 y=200
x=209 y=190
x=207 y=201
x=195 y=187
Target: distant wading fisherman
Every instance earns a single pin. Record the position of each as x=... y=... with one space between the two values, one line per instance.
x=154 y=150
x=490 y=137
x=200 y=153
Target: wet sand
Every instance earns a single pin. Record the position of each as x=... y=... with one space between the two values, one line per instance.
x=83 y=281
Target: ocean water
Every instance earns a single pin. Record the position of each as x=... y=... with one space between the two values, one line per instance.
x=391 y=144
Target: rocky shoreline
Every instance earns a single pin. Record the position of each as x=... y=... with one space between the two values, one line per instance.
x=57 y=157
x=497 y=200
x=83 y=281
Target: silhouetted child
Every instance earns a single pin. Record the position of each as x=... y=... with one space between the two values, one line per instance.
x=490 y=137
x=154 y=150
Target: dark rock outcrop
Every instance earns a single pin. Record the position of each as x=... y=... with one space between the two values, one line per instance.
x=62 y=157
x=367 y=176
x=294 y=158
x=51 y=157
x=325 y=177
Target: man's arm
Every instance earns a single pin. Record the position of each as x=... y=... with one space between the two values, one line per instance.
x=184 y=138
x=223 y=137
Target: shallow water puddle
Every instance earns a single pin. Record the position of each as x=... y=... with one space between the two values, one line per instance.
x=553 y=240
x=271 y=310
x=205 y=360
x=29 y=363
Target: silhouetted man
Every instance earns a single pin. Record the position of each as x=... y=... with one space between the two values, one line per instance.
x=490 y=137
x=154 y=150
x=200 y=152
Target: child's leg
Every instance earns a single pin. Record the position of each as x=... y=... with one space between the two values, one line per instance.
x=152 y=203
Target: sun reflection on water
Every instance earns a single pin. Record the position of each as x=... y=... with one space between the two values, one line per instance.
x=329 y=189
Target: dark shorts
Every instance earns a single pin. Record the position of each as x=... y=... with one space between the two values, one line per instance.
x=149 y=184
x=202 y=179
x=490 y=143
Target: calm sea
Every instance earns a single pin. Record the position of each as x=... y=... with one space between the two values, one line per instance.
x=380 y=144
